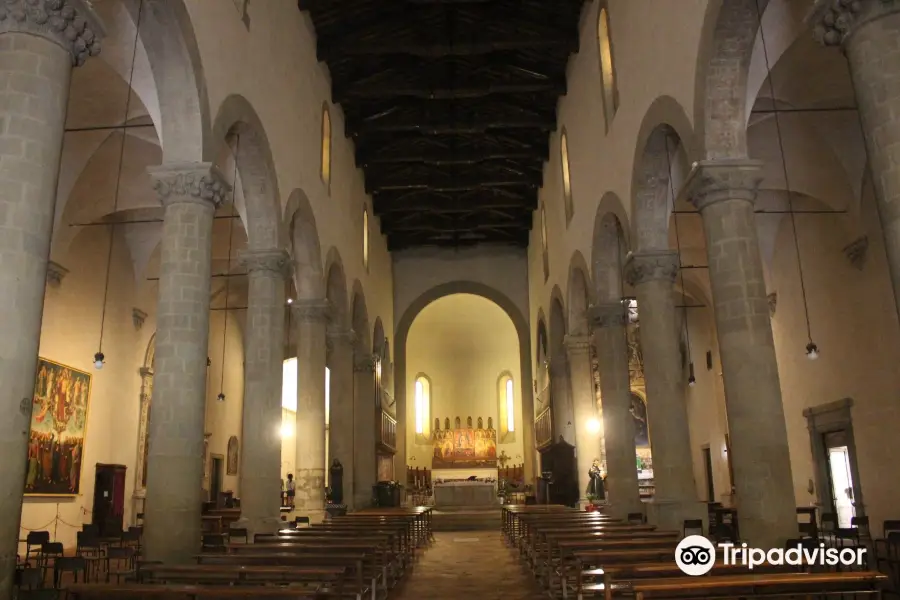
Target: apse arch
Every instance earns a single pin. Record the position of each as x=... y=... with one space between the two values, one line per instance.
x=237 y=120
x=401 y=335
x=309 y=279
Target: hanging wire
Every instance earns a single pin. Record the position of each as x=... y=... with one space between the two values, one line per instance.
x=237 y=147
x=812 y=351
x=687 y=332
x=98 y=357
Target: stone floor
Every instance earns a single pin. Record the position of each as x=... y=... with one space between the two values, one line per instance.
x=468 y=562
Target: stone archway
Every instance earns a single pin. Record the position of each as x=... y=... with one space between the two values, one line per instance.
x=521 y=324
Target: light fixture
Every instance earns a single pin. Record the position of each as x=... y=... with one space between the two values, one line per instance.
x=692 y=381
x=593 y=426
x=812 y=351
x=99 y=359
x=287 y=430
x=221 y=397
x=237 y=146
x=290 y=300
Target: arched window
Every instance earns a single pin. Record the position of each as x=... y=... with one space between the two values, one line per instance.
x=366 y=238
x=607 y=69
x=545 y=254
x=326 y=146
x=506 y=407
x=423 y=408
x=566 y=176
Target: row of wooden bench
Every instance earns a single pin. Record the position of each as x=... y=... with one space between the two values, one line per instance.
x=362 y=555
x=580 y=555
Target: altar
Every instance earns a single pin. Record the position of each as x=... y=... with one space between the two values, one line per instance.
x=456 y=494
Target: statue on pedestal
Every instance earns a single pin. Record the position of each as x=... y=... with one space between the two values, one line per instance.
x=595 y=486
x=336 y=473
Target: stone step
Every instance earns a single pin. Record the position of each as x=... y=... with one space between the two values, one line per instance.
x=466 y=519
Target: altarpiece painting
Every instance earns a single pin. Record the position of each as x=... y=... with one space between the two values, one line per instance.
x=465 y=447
x=59 y=414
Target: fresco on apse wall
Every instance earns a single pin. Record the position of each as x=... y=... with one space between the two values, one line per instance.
x=59 y=415
x=231 y=468
x=464 y=447
x=641 y=429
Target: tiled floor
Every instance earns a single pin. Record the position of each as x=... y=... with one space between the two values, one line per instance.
x=474 y=565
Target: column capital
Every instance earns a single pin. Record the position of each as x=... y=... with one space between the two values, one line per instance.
x=577 y=344
x=833 y=21
x=364 y=363
x=271 y=260
x=336 y=339
x=655 y=265
x=712 y=181
x=610 y=314
x=200 y=183
x=311 y=311
x=72 y=24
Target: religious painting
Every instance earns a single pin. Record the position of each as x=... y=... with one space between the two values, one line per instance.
x=464 y=447
x=59 y=414
x=231 y=467
x=641 y=429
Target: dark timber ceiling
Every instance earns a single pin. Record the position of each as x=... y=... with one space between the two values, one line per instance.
x=450 y=104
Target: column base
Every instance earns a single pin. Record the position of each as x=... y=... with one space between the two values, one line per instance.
x=621 y=510
x=259 y=525
x=669 y=515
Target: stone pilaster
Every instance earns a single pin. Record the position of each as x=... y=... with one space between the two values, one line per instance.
x=140 y=466
x=652 y=274
x=608 y=324
x=584 y=405
x=39 y=43
x=724 y=192
x=868 y=30
x=263 y=360
x=311 y=319
x=367 y=406
x=341 y=447
x=190 y=194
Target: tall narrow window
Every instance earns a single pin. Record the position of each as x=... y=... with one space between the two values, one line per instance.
x=326 y=146
x=607 y=69
x=423 y=407
x=327 y=419
x=506 y=405
x=545 y=255
x=566 y=176
x=366 y=238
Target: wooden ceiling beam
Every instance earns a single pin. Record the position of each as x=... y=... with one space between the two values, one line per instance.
x=450 y=157
x=472 y=46
x=439 y=184
x=556 y=85
x=471 y=126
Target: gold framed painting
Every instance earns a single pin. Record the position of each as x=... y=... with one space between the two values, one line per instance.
x=59 y=414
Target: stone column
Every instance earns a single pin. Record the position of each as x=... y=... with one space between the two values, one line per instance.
x=587 y=434
x=724 y=192
x=340 y=359
x=263 y=370
x=190 y=193
x=561 y=399
x=311 y=318
x=39 y=44
x=608 y=321
x=868 y=30
x=366 y=408
x=652 y=274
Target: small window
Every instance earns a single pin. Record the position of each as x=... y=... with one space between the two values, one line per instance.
x=607 y=69
x=506 y=405
x=366 y=238
x=326 y=146
x=423 y=408
x=545 y=256
x=566 y=176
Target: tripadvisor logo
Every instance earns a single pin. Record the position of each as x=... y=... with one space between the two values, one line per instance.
x=696 y=555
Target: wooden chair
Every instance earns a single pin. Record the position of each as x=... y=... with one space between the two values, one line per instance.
x=69 y=564
x=119 y=563
x=33 y=542
x=49 y=551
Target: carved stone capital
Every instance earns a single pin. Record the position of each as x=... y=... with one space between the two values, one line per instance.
x=612 y=314
x=856 y=251
x=833 y=21
x=55 y=273
x=275 y=261
x=336 y=340
x=311 y=311
x=138 y=317
x=577 y=344
x=72 y=24
x=364 y=363
x=200 y=183
x=712 y=181
x=658 y=265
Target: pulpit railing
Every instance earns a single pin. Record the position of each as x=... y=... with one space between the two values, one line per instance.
x=543 y=428
x=388 y=437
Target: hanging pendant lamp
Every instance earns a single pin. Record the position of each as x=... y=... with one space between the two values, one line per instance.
x=237 y=146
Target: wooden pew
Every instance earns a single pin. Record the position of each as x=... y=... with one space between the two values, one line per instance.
x=570 y=553
x=320 y=578
x=96 y=591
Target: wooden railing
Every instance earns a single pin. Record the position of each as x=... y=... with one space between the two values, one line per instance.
x=543 y=429
x=388 y=437
x=543 y=396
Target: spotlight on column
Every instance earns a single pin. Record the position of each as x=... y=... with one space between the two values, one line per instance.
x=593 y=426
x=98 y=360
x=812 y=351
x=692 y=381
x=221 y=397
x=290 y=300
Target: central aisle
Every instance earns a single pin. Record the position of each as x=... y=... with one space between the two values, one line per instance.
x=473 y=564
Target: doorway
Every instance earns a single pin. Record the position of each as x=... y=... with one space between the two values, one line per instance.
x=217 y=475
x=710 y=487
x=840 y=477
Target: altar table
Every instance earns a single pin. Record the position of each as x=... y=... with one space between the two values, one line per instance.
x=464 y=493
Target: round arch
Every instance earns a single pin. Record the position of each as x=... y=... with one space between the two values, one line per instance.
x=359 y=320
x=519 y=322
x=608 y=251
x=309 y=279
x=579 y=295
x=336 y=292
